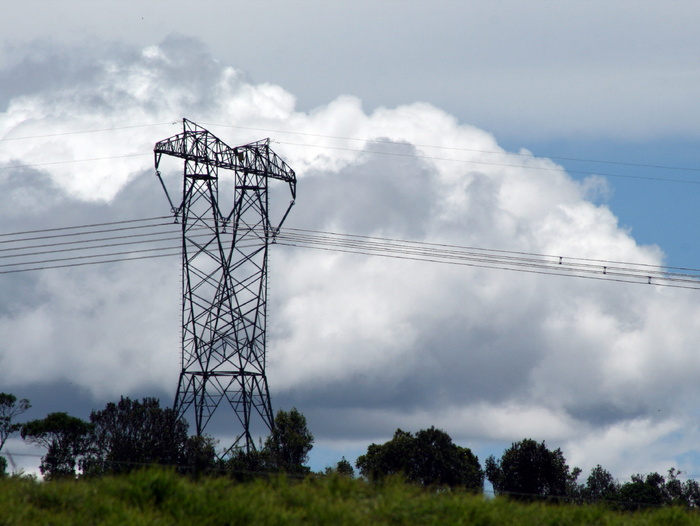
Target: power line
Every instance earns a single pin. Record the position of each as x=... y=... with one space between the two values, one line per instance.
x=50 y=163
x=93 y=225
x=455 y=148
x=90 y=249
x=81 y=132
x=392 y=142
x=485 y=258
x=490 y=163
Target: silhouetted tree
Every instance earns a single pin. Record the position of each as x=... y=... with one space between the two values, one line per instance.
x=600 y=486
x=10 y=409
x=527 y=469
x=342 y=468
x=428 y=458
x=129 y=434
x=66 y=439
x=654 y=490
x=245 y=466
x=682 y=493
x=200 y=456
x=287 y=448
x=642 y=492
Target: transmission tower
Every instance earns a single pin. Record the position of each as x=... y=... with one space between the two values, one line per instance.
x=224 y=276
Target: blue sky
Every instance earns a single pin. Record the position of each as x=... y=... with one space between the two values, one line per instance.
x=362 y=346
x=657 y=210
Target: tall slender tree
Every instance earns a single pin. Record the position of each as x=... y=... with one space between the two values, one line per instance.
x=10 y=409
x=289 y=444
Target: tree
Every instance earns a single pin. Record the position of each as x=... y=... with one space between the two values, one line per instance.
x=600 y=486
x=130 y=434
x=429 y=458
x=66 y=439
x=527 y=469
x=654 y=490
x=200 y=455
x=246 y=466
x=343 y=468
x=643 y=491
x=682 y=493
x=287 y=448
x=10 y=409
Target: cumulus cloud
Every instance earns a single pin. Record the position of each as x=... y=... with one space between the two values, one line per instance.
x=362 y=345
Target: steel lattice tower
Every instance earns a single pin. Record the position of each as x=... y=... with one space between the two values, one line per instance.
x=224 y=276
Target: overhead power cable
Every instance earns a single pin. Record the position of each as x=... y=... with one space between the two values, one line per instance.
x=496 y=259
x=456 y=148
x=491 y=163
x=121 y=241
x=84 y=227
x=369 y=141
x=70 y=161
x=82 y=132
x=347 y=138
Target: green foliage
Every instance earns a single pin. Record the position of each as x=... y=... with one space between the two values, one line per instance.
x=530 y=469
x=66 y=439
x=158 y=497
x=200 y=456
x=287 y=448
x=344 y=468
x=428 y=458
x=10 y=408
x=682 y=493
x=244 y=467
x=654 y=490
x=641 y=492
x=130 y=434
x=3 y=467
x=600 y=486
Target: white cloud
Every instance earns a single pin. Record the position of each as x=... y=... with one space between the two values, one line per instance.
x=486 y=354
x=629 y=447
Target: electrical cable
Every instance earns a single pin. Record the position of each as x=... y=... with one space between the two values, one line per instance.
x=417 y=156
x=57 y=229
x=485 y=260
x=81 y=132
x=454 y=148
x=358 y=139
x=93 y=249
x=490 y=163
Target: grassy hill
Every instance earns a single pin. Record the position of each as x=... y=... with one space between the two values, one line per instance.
x=155 y=497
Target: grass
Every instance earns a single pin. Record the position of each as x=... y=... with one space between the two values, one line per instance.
x=157 y=497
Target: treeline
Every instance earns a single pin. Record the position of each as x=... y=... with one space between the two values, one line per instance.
x=130 y=434
x=527 y=470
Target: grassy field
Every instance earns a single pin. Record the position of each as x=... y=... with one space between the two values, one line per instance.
x=159 y=497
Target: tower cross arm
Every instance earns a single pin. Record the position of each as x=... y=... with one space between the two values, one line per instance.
x=198 y=145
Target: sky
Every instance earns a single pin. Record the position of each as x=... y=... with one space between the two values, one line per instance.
x=539 y=127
